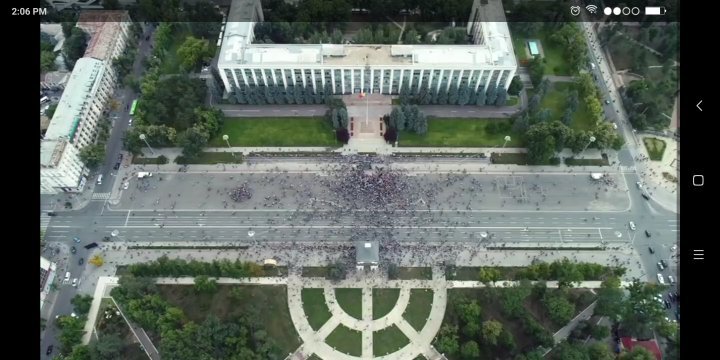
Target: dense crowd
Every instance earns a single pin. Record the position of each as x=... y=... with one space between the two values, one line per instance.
x=240 y=193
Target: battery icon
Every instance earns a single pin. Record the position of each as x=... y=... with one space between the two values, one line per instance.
x=655 y=10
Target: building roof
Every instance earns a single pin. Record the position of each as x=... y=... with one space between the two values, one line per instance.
x=104 y=27
x=651 y=345
x=237 y=48
x=367 y=252
x=44 y=272
x=84 y=79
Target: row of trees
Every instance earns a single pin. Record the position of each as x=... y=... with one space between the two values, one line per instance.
x=544 y=140
x=337 y=116
x=47 y=55
x=74 y=46
x=272 y=94
x=408 y=118
x=465 y=94
x=164 y=266
x=567 y=272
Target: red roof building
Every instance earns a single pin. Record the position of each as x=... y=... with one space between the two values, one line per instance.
x=650 y=345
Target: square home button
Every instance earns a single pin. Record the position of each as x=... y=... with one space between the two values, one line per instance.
x=698 y=180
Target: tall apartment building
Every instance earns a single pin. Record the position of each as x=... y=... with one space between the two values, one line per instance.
x=75 y=122
x=348 y=69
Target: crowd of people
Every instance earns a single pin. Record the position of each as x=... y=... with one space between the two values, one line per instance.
x=240 y=193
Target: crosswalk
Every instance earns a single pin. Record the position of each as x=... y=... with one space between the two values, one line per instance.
x=44 y=222
x=101 y=196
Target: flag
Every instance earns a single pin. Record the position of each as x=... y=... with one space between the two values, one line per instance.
x=362 y=95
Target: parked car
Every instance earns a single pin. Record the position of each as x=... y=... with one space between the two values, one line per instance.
x=660 y=266
x=81 y=261
x=117 y=166
x=639 y=185
x=632 y=226
x=74 y=283
x=660 y=279
x=652 y=251
x=49 y=350
x=647 y=233
x=667 y=304
x=671 y=279
x=664 y=264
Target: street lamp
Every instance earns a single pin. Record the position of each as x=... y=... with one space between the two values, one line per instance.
x=227 y=141
x=592 y=140
x=507 y=139
x=144 y=138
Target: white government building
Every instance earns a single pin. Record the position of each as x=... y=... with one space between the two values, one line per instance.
x=74 y=124
x=352 y=69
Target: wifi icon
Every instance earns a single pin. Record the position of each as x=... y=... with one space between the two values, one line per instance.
x=591 y=8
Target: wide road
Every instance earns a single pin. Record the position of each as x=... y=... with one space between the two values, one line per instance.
x=443 y=111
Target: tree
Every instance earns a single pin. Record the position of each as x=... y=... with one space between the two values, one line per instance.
x=513 y=298
x=516 y=86
x=534 y=103
x=81 y=304
x=491 y=330
x=567 y=117
x=47 y=61
x=192 y=52
x=501 y=97
x=343 y=118
x=443 y=97
x=107 y=346
x=74 y=46
x=453 y=95
x=637 y=353
x=463 y=94
x=570 y=351
x=599 y=332
x=71 y=331
x=342 y=135
x=193 y=141
x=390 y=135
x=470 y=350
x=507 y=340
x=411 y=37
x=334 y=118
x=51 y=110
x=446 y=341
x=203 y=284
x=536 y=68
x=421 y=125
x=521 y=123
x=600 y=351
x=469 y=311
x=573 y=101
x=480 y=98
x=642 y=313
x=397 y=119
x=491 y=94
x=488 y=275
x=111 y=4
x=133 y=287
x=92 y=155
x=96 y=260
x=337 y=271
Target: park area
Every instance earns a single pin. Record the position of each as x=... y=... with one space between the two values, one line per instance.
x=240 y=300
x=276 y=131
x=462 y=132
x=553 y=54
x=655 y=148
x=556 y=100
x=171 y=62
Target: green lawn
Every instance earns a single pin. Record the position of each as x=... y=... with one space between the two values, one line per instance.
x=144 y=161
x=472 y=273
x=622 y=51
x=512 y=101
x=315 y=271
x=554 y=55
x=212 y=158
x=314 y=357
x=655 y=148
x=350 y=300
x=388 y=340
x=253 y=300
x=509 y=158
x=315 y=307
x=276 y=131
x=418 y=308
x=462 y=132
x=412 y=273
x=384 y=301
x=556 y=100
x=587 y=162
x=345 y=340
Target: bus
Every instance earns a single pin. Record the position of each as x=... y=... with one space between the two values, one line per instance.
x=133 y=107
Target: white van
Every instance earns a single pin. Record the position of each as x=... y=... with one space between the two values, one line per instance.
x=99 y=181
x=67 y=276
x=44 y=99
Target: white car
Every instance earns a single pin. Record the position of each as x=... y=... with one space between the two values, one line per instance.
x=126 y=185
x=660 y=279
x=74 y=283
x=639 y=185
x=632 y=226
x=671 y=279
x=130 y=122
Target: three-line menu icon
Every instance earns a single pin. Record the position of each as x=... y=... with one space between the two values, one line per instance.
x=698 y=254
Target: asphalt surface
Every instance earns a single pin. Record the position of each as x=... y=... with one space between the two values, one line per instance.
x=319 y=110
x=61 y=305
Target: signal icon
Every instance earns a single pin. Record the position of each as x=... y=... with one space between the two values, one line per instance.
x=591 y=9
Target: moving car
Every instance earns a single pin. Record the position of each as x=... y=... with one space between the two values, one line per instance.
x=74 y=283
x=645 y=196
x=130 y=122
x=647 y=233
x=73 y=250
x=652 y=251
x=91 y=245
x=76 y=239
x=639 y=185
x=632 y=225
x=49 y=350
x=126 y=185
x=607 y=102
x=660 y=279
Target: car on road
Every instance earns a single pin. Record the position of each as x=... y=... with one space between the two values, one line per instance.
x=117 y=166
x=74 y=283
x=76 y=239
x=667 y=304
x=73 y=250
x=664 y=264
x=660 y=279
x=49 y=350
x=647 y=233
x=607 y=102
x=645 y=196
x=660 y=266
x=632 y=225
x=671 y=279
x=126 y=185
x=81 y=261
x=652 y=251
x=51 y=213
x=673 y=248
x=639 y=185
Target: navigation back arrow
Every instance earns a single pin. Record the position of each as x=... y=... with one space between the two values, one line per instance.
x=698 y=105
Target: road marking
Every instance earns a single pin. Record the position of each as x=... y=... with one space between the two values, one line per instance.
x=600 y=232
x=127 y=217
x=348 y=227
